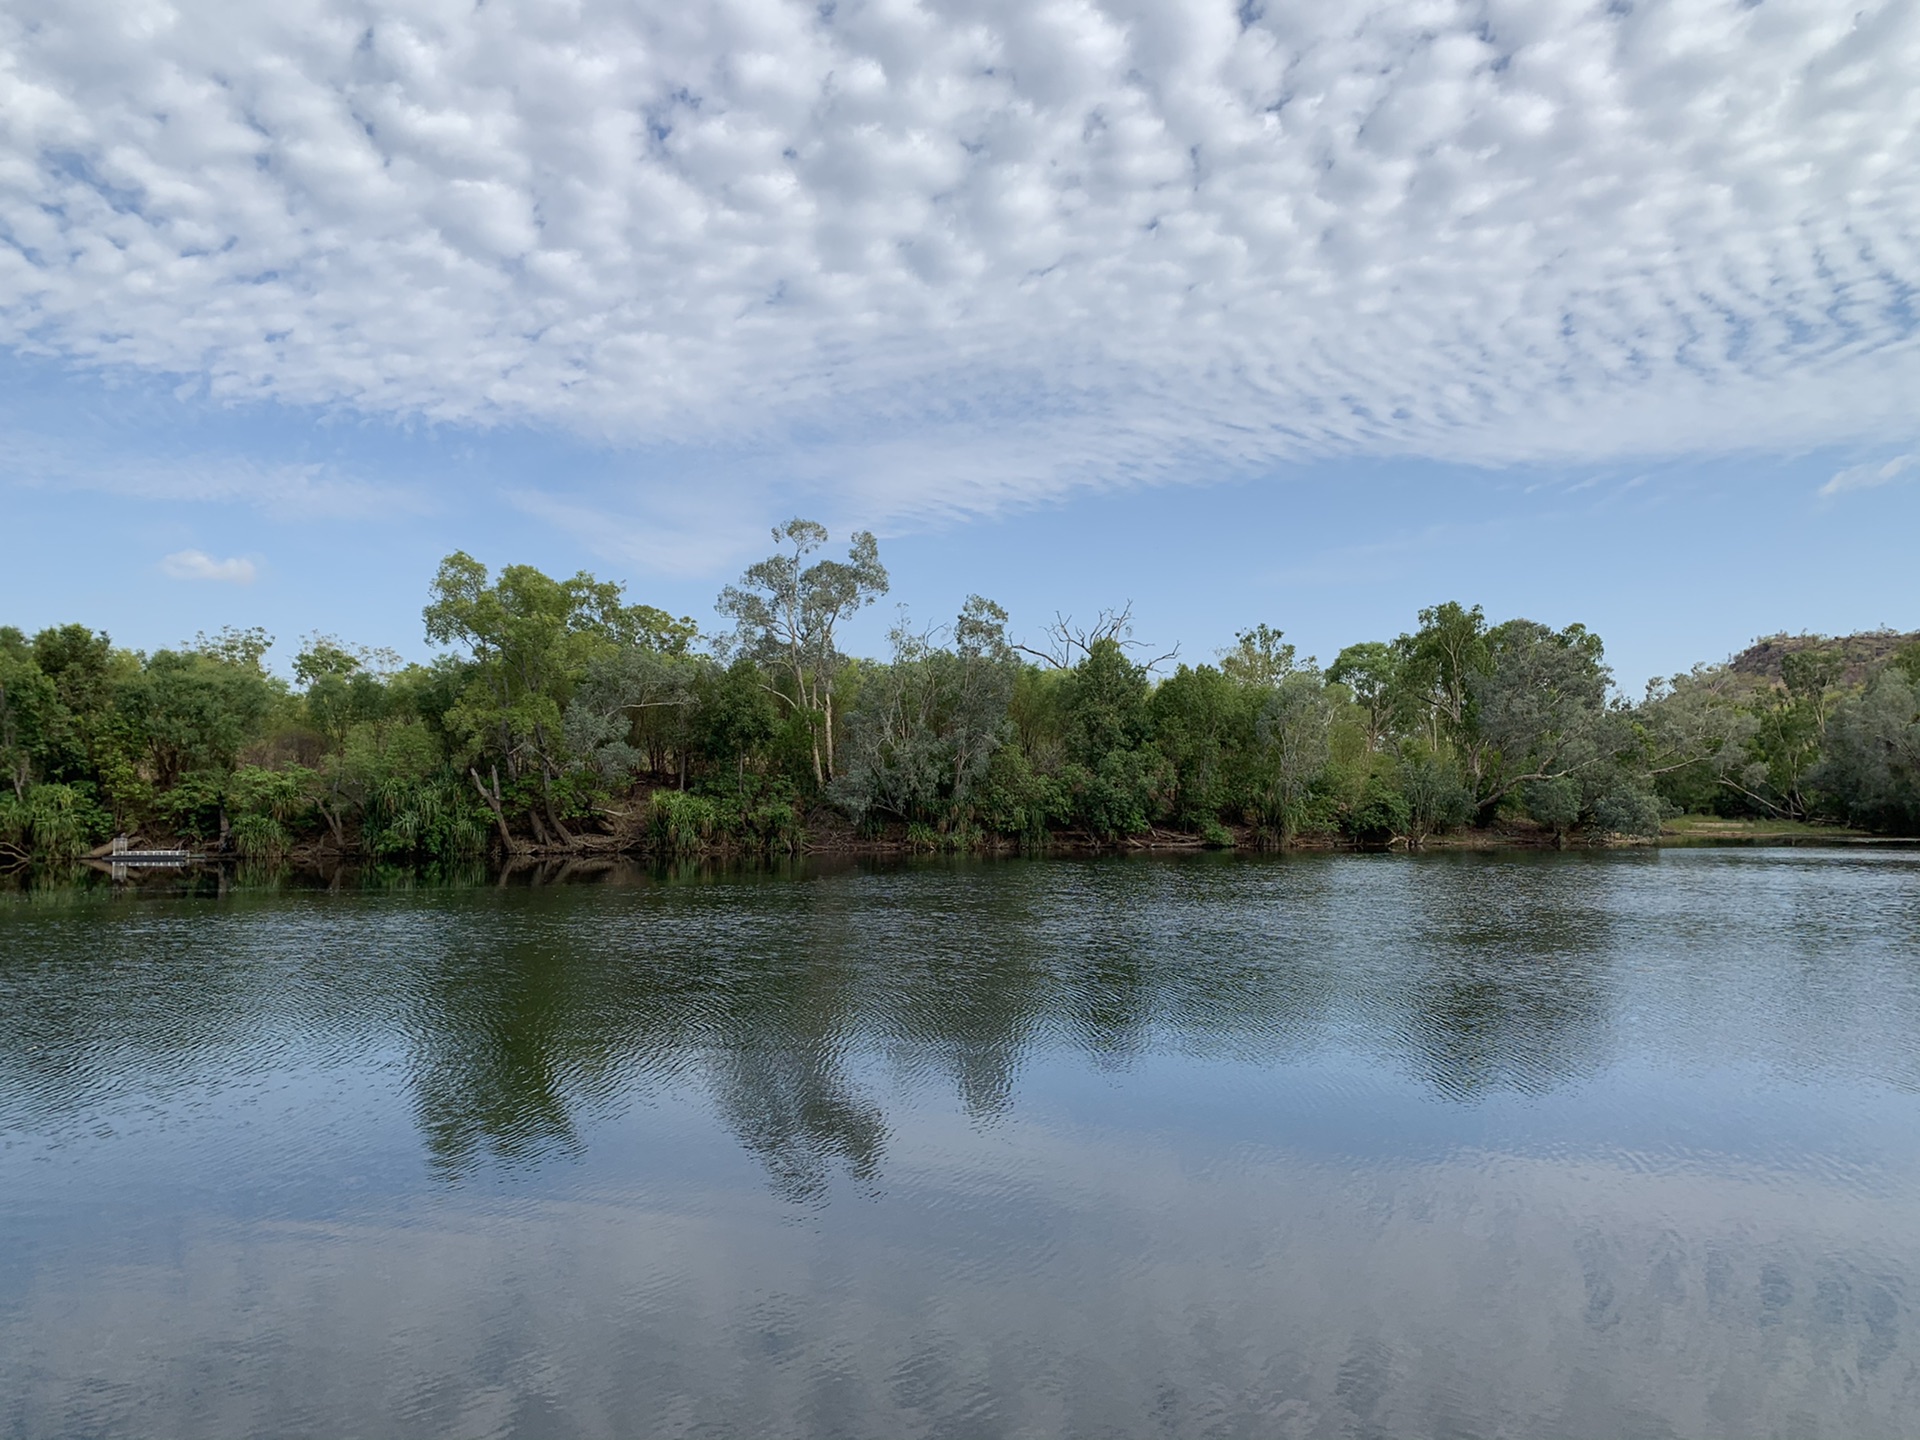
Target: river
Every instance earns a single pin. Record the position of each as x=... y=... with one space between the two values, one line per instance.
x=1461 y=1145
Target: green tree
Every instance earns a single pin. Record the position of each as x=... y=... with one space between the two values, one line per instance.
x=1872 y=768
x=194 y=710
x=30 y=710
x=1538 y=711
x=1203 y=725
x=787 y=616
x=530 y=639
x=1436 y=666
x=1113 y=771
x=734 y=717
x=1293 y=737
x=927 y=724
x=1694 y=732
x=1371 y=673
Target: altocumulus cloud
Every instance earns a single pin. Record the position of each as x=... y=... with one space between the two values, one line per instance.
x=198 y=565
x=976 y=251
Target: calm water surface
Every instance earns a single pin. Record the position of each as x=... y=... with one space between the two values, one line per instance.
x=1609 y=1145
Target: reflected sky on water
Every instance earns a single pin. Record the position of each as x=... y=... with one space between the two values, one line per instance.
x=1454 y=1145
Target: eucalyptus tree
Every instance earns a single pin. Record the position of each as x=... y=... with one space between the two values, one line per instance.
x=630 y=707
x=1790 y=733
x=1371 y=672
x=1293 y=736
x=787 y=616
x=1436 y=666
x=927 y=724
x=1260 y=657
x=1695 y=731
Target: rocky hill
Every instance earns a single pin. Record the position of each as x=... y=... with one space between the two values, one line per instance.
x=1864 y=652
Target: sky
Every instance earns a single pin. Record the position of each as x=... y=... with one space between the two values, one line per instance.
x=1307 y=314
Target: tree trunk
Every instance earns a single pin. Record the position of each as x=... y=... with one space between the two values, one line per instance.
x=546 y=803
x=493 y=803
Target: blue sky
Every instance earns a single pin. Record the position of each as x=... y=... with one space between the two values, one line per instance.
x=1309 y=316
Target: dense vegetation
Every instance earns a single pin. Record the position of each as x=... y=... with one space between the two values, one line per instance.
x=562 y=717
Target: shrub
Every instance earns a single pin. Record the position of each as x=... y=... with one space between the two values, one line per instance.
x=431 y=818
x=681 y=823
x=1381 y=814
x=52 y=822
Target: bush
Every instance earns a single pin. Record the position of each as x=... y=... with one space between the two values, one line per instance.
x=1015 y=799
x=260 y=837
x=1553 y=803
x=681 y=824
x=1436 y=797
x=684 y=824
x=52 y=822
x=1628 y=812
x=432 y=818
x=1381 y=814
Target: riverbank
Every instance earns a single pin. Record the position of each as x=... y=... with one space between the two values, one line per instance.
x=828 y=836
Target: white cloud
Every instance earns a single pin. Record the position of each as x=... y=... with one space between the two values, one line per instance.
x=198 y=565
x=285 y=492
x=1028 y=243
x=1868 y=477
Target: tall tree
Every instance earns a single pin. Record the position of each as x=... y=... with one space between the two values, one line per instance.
x=787 y=616
x=1538 y=710
x=1371 y=673
x=29 y=710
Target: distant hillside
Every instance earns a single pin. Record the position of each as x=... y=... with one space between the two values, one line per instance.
x=1864 y=652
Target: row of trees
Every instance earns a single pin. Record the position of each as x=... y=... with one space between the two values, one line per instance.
x=560 y=715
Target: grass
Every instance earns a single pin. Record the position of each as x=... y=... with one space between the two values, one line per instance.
x=1713 y=827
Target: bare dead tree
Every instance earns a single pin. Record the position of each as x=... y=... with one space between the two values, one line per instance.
x=1067 y=644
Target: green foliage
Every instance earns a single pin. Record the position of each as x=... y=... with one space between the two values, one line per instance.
x=1202 y=723
x=561 y=703
x=1216 y=835
x=787 y=614
x=50 y=823
x=683 y=824
x=1436 y=796
x=1554 y=803
x=423 y=817
x=1382 y=813
x=30 y=712
x=1017 y=799
x=1293 y=737
x=258 y=837
x=193 y=710
x=1628 y=810
x=1906 y=660
x=1371 y=673
x=1872 y=767
x=926 y=726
